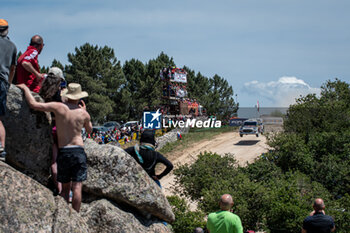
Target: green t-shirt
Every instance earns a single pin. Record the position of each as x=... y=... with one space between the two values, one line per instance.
x=224 y=222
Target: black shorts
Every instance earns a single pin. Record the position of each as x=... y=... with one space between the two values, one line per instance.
x=4 y=86
x=71 y=165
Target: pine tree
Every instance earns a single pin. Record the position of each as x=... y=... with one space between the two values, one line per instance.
x=135 y=71
x=220 y=98
x=100 y=74
x=153 y=84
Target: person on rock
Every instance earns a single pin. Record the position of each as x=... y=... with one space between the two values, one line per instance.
x=71 y=117
x=147 y=157
x=7 y=71
x=28 y=69
x=51 y=91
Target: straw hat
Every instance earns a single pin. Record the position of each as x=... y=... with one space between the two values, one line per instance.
x=74 y=92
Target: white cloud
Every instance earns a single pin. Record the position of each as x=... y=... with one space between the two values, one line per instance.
x=280 y=93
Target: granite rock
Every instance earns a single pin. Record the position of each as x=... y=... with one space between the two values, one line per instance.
x=28 y=137
x=104 y=216
x=28 y=206
x=113 y=174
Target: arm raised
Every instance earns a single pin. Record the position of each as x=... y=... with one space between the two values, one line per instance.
x=44 y=107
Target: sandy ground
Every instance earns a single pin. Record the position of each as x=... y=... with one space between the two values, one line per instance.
x=244 y=149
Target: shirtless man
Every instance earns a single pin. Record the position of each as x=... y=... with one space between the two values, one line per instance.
x=71 y=117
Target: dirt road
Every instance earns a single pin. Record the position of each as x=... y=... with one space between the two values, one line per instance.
x=244 y=149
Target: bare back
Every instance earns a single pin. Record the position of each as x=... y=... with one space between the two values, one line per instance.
x=70 y=119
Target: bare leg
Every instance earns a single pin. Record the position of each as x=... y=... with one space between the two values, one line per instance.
x=58 y=185
x=2 y=134
x=66 y=187
x=76 y=187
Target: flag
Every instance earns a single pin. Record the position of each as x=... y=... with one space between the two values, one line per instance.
x=257 y=105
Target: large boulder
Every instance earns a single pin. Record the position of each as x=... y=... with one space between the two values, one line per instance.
x=103 y=216
x=112 y=173
x=28 y=206
x=28 y=137
x=115 y=175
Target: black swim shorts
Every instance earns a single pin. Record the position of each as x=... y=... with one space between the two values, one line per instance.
x=4 y=86
x=71 y=164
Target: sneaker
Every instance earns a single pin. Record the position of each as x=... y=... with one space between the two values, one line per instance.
x=3 y=154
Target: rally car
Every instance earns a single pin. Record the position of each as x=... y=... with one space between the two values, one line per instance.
x=251 y=127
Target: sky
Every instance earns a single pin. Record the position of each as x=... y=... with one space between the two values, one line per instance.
x=270 y=51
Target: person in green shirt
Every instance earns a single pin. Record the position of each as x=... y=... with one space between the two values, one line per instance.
x=224 y=221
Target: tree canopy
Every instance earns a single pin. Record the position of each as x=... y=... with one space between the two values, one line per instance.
x=100 y=74
x=123 y=92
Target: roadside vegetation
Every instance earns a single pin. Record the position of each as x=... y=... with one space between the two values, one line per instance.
x=186 y=220
x=193 y=136
x=310 y=159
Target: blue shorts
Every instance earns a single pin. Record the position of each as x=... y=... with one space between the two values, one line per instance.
x=71 y=164
x=4 y=86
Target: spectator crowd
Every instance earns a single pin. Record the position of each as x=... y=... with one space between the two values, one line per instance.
x=127 y=133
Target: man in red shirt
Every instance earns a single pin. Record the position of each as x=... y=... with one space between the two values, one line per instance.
x=28 y=70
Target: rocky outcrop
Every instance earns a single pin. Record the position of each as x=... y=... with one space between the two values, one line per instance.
x=114 y=174
x=170 y=137
x=28 y=137
x=104 y=216
x=28 y=206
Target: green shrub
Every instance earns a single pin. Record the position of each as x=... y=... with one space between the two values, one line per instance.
x=278 y=202
x=204 y=173
x=290 y=199
x=340 y=211
x=185 y=220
